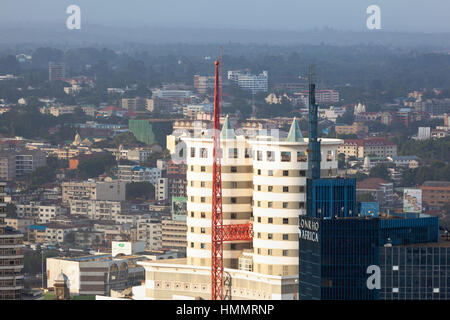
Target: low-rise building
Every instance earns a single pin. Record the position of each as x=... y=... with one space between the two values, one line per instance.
x=405 y=161
x=21 y=225
x=55 y=233
x=174 y=235
x=381 y=190
x=96 y=274
x=16 y=163
x=360 y=148
x=97 y=209
x=93 y=190
x=129 y=174
x=149 y=230
x=355 y=128
x=40 y=212
x=162 y=189
x=435 y=194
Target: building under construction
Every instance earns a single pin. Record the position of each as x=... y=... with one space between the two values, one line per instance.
x=251 y=183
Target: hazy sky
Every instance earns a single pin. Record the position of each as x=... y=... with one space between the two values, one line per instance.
x=396 y=15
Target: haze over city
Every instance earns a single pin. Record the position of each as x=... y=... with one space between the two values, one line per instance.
x=224 y=150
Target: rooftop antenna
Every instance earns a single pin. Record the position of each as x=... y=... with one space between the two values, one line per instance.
x=314 y=156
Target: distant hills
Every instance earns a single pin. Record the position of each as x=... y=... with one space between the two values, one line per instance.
x=95 y=35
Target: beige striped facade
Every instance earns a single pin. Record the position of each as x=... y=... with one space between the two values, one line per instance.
x=263 y=181
x=280 y=169
x=237 y=178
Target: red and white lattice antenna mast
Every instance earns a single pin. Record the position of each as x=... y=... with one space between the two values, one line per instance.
x=216 y=213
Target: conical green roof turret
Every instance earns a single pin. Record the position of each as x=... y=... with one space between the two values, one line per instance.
x=227 y=130
x=295 y=134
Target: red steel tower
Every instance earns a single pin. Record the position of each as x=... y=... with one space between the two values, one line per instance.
x=216 y=216
x=219 y=232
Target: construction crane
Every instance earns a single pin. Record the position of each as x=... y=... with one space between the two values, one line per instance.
x=219 y=231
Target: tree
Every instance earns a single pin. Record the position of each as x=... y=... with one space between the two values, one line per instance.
x=139 y=190
x=341 y=161
x=10 y=210
x=379 y=171
x=126 y=139
x=365 y=197
x=151 y=161
x=69 y=238
x=346 y=118
x=94 y=167
x=42 y=175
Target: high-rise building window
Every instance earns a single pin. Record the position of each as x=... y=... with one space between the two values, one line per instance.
x=302 y=173
x=233 y=200
x=285 y=205
x=285 y=220
x=259 y=155
x=270 y=173
x=270 y=156
x=285 y=237
x=270 y=236
x=269 y=204
x=202 y=215
x=285 y=173
x=233 y=153
x=270 y=220
x=285 y=156
x=202 y=169
x=259 y=219
x=301 y=157
x=192 y=152
x=285 y=189
x=234 y=169
x=234 y=185
x=203 y=153
x=270 y=188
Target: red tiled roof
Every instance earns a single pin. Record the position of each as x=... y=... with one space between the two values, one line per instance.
x=370 y=183
x=111 y=108
x=369 y=141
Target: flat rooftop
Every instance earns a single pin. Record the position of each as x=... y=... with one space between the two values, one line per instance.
x=443 y=243
x=87 y=258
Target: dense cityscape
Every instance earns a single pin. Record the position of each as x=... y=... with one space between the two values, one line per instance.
x=230 y=171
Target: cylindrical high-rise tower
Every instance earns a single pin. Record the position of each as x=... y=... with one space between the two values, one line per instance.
x=236 y=192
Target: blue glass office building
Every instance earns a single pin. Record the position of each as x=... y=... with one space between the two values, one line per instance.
x=333 y=258
x=415 y=272
x=328 y=198
x=369 y=209
x=334 y=254
x=401 y=229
